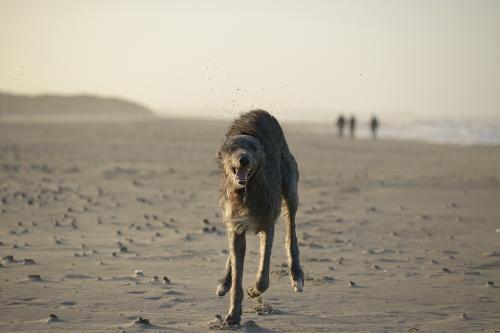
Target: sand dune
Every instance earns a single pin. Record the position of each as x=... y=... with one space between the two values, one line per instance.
x=63 y=108
x=103 y=224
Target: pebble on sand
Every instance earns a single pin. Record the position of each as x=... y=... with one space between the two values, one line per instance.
x=138 y=272
x=211 y=229
x=452 y=205
x=142 y=323
x=52 y=318
x=9 y=260
x=29 y=261
x=328 y=278
x=122 y=248
x=35 y=278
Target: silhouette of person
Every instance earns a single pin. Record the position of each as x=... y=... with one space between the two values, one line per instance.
x=352 y=126
x=340 y=125
x=374 y=125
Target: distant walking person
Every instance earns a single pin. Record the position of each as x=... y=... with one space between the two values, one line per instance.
x=374 y=125
x=352 y=126
x=340 y=126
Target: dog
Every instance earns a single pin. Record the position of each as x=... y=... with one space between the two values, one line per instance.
x=258 y=174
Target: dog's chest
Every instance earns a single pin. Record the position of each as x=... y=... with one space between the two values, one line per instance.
x=253 y=214
x=236 y=207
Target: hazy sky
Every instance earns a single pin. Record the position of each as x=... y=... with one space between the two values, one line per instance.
x=292 y=57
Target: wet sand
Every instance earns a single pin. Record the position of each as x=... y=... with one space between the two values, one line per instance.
x=103 y=223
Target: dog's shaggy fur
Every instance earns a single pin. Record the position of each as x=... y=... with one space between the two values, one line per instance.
x=259 y=172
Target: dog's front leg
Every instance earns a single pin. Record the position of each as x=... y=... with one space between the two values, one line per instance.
x=225 y=283
x=262 y=280
x=237 y=247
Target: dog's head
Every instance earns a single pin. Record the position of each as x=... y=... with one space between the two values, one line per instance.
x=240 y=157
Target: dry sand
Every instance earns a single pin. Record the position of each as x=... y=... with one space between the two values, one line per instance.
x=395 y=236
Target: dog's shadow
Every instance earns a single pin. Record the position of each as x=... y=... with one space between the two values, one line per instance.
x=258 y=329
x=248 y=326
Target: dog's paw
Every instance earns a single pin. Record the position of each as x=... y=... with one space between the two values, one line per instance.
x=232 y=320
x=221 y=290
x=297 y=278
x=259 y=287
x=253 y=292
x=298 y=285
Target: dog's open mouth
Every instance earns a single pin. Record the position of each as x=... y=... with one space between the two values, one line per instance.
x=241 y=175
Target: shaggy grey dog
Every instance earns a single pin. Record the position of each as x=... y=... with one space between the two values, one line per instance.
x=259 y=172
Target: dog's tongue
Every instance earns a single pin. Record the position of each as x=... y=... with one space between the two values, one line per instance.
x=241 y=174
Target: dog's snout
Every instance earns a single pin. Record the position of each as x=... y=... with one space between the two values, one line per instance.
x=244 y=161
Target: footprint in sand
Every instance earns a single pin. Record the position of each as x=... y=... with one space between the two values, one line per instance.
x=171 y=302
x=77 y=276
x=491 y=254
x=141 y=324
x=124 y=278
x=172 y=293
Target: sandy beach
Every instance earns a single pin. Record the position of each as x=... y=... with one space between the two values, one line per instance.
x=106 y=222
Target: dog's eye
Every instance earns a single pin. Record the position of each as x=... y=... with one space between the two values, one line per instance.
x=234 y=170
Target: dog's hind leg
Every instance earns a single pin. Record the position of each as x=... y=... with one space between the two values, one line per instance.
x=262 y=280
x=225 y=283
x=292 y=247
x=237 y=248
